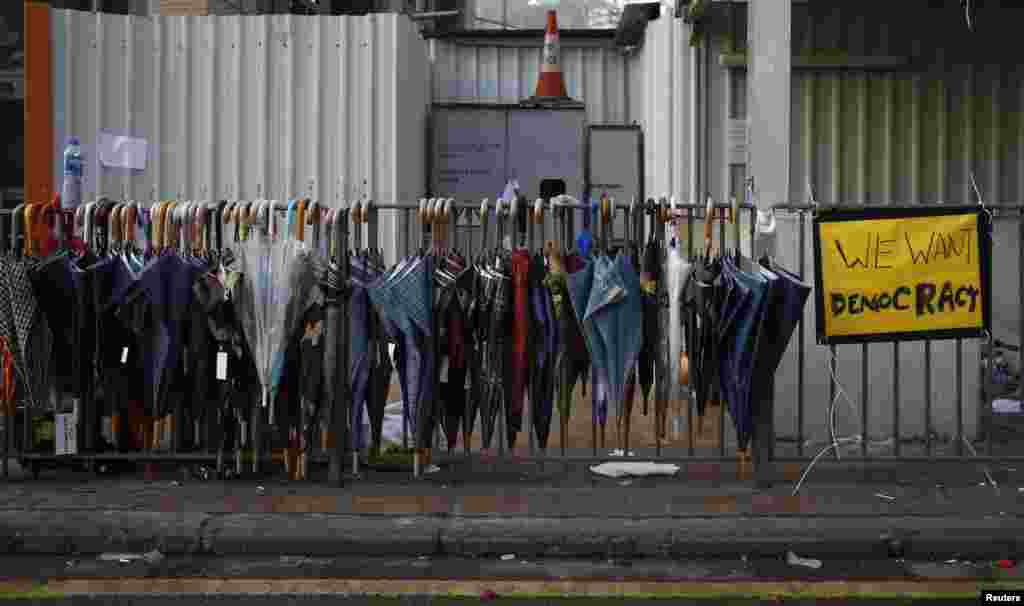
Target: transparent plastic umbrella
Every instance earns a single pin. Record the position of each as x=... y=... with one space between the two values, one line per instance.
x=278 y=277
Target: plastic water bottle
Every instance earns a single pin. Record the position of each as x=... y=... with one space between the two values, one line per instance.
x=74 y=165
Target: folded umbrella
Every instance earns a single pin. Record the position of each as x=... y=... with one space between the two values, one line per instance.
x=542 y=372
x=497 y=358
x=648 y=352
x=581 y=285
x=474 y=334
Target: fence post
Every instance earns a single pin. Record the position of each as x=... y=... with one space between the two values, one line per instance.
x=343 y=403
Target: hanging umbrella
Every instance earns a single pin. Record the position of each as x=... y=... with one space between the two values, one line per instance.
x=630 y=340
x=499 y=285
x=381 y=369
x=614 y=310
x=648 y=351
x=520 y=336
x=453 y=278
x=426 y=411
x=394 y=323
x=363 y=273
x=268 y=310
x=572 y=353
x=543 y=346
x=475 y=313
x=403 y=299
x=27 y=332
x=580 y=286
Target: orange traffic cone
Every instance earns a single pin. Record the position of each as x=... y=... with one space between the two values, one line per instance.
x=551 y=85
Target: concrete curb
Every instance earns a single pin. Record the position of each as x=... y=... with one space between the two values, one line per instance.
x=69 y=532
x=91 y=532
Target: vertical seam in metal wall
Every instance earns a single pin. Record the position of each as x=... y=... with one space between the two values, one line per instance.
x=345 y=95
x=968 y=118
x=835 y=159
x=808 y=133
x=96 y=105
x=995 y=138
x=393 y=118
x=1020 y=142
x=888 y=159
x=155 y=118
x=725 y=167
x=915 y=195
x=862 y=139
x=941 y=129
x=682 y=178
x=625 y=88
x=706 y=163
x=371 y=105
x=128 y=48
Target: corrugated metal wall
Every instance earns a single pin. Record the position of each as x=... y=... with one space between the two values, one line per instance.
x=239 y=107
x=471 y=73
x=904 y=116
x=913 y=135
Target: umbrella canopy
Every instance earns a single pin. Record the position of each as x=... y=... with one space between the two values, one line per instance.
x=363 y=273
x=580 y=285
x=404 y=299
x=496 y=360
x=614 y=316
x=475 y=336
x=544 y=346
x=279 y=278
x=648 y=351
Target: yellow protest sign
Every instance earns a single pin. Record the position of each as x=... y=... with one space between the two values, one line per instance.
x=888 y=274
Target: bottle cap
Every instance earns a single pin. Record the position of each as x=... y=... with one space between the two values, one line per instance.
x=73 y=141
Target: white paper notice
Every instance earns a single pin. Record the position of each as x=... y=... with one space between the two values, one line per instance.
x=66 y=434
x=222 y=366
x=117 y=151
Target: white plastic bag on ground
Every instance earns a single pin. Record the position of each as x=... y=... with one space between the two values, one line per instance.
x=622 y=469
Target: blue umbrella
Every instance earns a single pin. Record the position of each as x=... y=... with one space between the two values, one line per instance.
x=630 y=340
x=580 y=286
x=615 y=312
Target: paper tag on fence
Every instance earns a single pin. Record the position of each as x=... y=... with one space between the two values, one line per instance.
x=444 y=369
x=222 y=366
x=65 y=434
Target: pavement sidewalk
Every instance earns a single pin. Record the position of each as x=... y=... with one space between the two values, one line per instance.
x=926 y=513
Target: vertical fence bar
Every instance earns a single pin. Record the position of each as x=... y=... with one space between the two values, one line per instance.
x=734 y=216
x=500 y=217
x=864 y=400
x=1020 y=297
x=721 y=396
x=832 y=370
x=960 y=397
x=986 y=393
x=896 y=398
x=928 y=398
x=529 y=224
x=662 y=393
x=690 y=404
x=407 y=245
x=801 y=346
x=764 y=414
